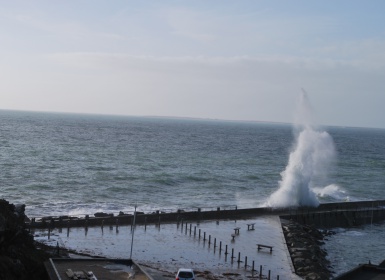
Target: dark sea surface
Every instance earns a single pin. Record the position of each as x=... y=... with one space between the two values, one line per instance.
x=67 y=164
x=60 y=164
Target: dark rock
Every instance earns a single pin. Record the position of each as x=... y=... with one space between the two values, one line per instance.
x=101 y=214
x=19 y=257
x=308 y=258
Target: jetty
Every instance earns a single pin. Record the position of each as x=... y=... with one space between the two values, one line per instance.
x=326 y=215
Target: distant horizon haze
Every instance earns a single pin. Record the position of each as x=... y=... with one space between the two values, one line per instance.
x=289 y=123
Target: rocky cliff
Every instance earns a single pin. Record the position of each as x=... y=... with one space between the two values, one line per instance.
x=19 y=258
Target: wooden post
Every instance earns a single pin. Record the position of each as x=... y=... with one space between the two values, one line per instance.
x=145 y=223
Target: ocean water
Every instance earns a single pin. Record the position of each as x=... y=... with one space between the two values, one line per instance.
x=67 y=164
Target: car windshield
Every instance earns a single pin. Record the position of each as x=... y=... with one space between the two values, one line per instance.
x=185 y=274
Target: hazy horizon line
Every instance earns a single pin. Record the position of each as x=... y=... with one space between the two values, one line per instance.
x=180 y=118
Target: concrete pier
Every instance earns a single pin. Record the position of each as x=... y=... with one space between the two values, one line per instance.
x=341 y=214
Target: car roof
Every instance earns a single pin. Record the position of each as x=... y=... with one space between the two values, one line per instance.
x=185 y=269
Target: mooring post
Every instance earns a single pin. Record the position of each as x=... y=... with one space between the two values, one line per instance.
x=204 y=236
x=277 y=277
x=190 y=228
x=220 y=246
x=145 y=223
x=239 y=257
x=199 y=233
x=252 y=269
x=215 y=242
x=232 y=253
x=260 y=271
x=57 y=248
x=226 y=250
x=209 y=240
x=49 y=232
x=245 y=262
x=268 y=275
x=195 y=231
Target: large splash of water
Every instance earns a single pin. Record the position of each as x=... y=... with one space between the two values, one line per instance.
x=310 y=160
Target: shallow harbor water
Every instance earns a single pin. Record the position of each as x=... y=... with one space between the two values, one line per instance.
x=170 y=246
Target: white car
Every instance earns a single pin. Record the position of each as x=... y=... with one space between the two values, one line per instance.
x=185 y=274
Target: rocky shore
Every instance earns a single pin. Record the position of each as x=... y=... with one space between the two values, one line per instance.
x=19 y=257
x=308 y=258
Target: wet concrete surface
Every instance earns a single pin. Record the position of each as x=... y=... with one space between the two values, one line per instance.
x=163 y=249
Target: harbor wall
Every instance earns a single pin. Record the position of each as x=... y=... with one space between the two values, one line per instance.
x=342 y=214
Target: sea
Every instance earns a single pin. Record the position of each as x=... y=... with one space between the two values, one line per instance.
x=77 y=164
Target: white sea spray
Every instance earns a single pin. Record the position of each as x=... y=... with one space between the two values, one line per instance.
x=309 y=162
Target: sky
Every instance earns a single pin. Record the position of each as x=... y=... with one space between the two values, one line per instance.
x=218 y=59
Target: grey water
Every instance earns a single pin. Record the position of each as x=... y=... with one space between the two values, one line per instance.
x=67 y=164
x=73 y=164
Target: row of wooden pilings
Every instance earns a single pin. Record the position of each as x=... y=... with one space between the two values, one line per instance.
x=187 y=228
x=111 y=226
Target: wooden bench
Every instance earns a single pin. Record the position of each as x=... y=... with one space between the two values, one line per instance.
x=236 y=230
x=260 y=246
x=250 y=226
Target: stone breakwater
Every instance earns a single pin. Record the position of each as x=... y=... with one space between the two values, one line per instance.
x=303 y=243
x=19 y=258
